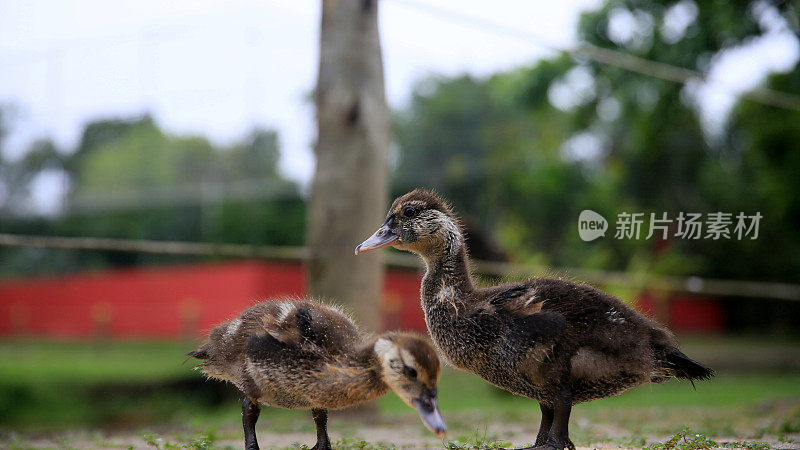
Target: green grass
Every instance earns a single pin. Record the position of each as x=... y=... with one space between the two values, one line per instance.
x=477 y=441
x=462 y=391
x=59 y=385
x=687 y=440
x=62 y=384
x=747 y=405
x=37 y=361
x=34 y=362
x=200 y=443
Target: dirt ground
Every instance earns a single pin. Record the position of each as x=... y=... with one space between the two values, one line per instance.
x=349 y=436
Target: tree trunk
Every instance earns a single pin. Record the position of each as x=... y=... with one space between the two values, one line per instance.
x=349 y=191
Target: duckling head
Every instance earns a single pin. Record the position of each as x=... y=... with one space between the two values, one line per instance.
x=420 y=222
x=411 y=368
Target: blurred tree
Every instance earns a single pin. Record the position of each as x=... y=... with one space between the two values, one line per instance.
x=527 y=150
x=99 y=133
x=17 y=177
x=185 y=187
x=349 y=190
x=762 y=173
x=256 y=157
x=443 y=139
x=129 y=179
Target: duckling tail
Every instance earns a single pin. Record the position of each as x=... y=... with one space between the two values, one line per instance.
x=684 y=367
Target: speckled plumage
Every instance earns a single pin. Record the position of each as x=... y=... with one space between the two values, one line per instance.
x=549 y=339
x=535 y=337
x=302 y=354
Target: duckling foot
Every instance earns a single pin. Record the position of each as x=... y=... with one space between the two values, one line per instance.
x=322 y=446
x=321 y=420
x=552 y=446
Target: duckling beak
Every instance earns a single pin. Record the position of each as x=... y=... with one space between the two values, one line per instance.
x=428 y=407
x=381 y=238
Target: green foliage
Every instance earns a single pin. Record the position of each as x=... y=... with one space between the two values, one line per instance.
x=130 y=179
x=523 y=152
x=360 y=444
x=686 y=440
x=17 y=177
x=200 y=443
x=635 y=442
x=145 y=157
x=142 y=386
x=478 y=441
x=63 y=384
x=749 y=445
x=519 y=153
x=790 y=425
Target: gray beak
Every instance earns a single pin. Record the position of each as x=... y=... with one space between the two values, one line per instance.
x=381 y=238
x=428 y=407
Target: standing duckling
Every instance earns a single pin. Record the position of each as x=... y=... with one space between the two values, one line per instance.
x=551 y=340
x=306 y=355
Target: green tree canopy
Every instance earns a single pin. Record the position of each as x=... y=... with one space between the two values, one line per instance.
x=526 y=150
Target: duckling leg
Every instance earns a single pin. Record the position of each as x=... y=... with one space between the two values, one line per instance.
x=250 y=412
x=544 y=427
x=558 y=438
x=321 y=420
x=554 y=431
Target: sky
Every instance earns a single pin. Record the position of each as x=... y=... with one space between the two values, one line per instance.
x=221 y=67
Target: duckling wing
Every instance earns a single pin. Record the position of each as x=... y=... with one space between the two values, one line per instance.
x=267 y=349
x=311 y=324
x=306 y=362
x=516 y=298
x=521 y=308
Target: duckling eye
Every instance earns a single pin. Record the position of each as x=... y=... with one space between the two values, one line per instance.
x=409 y=211
x=410 y=372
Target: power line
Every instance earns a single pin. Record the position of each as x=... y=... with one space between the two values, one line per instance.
x=697 y=285
x=606 y=56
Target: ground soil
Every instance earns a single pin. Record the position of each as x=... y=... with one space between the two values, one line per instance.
x=403 y=435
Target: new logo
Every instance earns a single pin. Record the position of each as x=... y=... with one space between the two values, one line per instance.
x=591 y=225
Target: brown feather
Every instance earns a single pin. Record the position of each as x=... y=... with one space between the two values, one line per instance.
x=304 y=354
x=536 y=337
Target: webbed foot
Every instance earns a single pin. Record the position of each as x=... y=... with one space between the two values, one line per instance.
x=551 y=445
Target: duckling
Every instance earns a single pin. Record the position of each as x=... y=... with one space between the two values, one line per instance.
x=552 y=340
x=302 y=354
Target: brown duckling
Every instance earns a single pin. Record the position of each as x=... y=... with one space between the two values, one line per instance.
x=551 y=340
x=306 y=355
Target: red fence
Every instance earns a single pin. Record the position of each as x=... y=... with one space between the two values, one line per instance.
x=183 y=300
x=168 y=301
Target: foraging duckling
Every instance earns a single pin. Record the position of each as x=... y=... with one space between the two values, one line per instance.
x=306 y=355
x=551 y=340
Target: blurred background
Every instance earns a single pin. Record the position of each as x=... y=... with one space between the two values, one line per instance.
x=157 y=175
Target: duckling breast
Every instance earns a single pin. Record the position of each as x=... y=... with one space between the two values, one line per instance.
x=467 y=339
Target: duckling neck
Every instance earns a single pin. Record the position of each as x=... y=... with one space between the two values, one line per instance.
x=447 y=271
x=370 y=379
